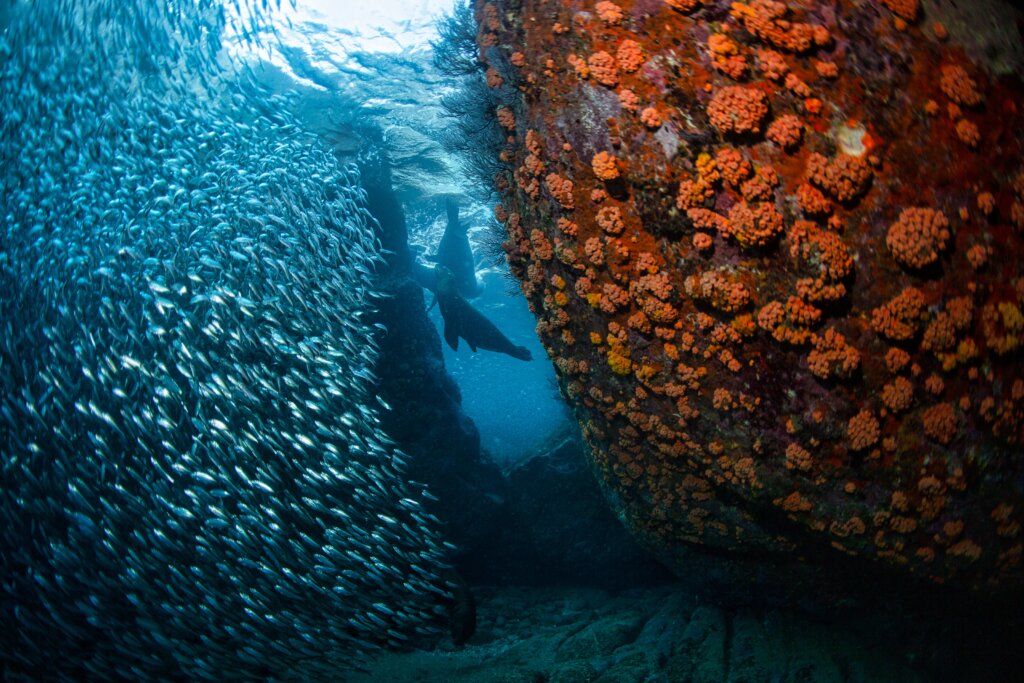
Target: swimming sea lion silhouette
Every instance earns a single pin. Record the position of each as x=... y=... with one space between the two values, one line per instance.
x=454 y=253
x=462 y=320
x=424 y=276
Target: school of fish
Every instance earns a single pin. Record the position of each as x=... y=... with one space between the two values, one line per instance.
x=192 y=479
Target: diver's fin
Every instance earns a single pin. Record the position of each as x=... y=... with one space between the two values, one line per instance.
x=451 y=334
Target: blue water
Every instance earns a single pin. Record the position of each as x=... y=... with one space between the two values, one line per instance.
x=194 y=481
x=367 y=68
x=516 y=406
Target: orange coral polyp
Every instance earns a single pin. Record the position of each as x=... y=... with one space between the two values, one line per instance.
x=506 y=118
x=605 y=166
x=896 y=359
x=798 y=458
x=766 y=19
x=610 y=220
x=898 y=319
x=918 y=237
x=561 y=189
x=725 y=56
x=832 y=356
x=734 y=168
x=786 y=131
x=811 y=200
x=958 y=86
x=898 y=394
x=754 y=225
x=844 y=178
x=968 y=132
x=706 y=219
x=904 y=9
x=939 y=422
x=738 y=109
x=628 y=99
x=885 y=358
x=772 y=64
x=630 y=56
x=718 y=290
x=862 y=430
x=651 y=118
x=603 y=68
x=609 y=12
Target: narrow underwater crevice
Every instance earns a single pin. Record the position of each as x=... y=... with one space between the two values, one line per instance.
x=543 y=521
x=426 y=420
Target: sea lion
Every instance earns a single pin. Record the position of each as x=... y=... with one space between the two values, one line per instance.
x=462 y=320
x=424 y=276
x=454 y=253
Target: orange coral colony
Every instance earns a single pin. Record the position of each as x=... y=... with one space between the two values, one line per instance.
x=917 y=236
x=736 y=109
x=799 y=278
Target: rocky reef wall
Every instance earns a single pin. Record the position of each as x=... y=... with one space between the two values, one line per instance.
x=774 y=251
x=542 y=522
x=426 y=419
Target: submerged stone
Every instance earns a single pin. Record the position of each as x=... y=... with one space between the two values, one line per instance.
x=718 y=344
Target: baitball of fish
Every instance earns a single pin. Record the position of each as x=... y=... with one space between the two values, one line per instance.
x=193 y=480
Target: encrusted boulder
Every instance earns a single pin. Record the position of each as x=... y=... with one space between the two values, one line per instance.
x=775 y=254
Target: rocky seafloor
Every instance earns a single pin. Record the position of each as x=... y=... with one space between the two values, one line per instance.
x=563 y=593
x=569 y=635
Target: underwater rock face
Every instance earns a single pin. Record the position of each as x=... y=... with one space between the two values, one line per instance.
x=194 y=480
x=562 y=532
x=775 y=253
x=426 y=420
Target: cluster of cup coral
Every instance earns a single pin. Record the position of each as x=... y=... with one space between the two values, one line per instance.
x=775 y=253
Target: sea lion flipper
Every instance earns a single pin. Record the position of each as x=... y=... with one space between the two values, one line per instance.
x=451 y=332
x=522 y=353
x=462 y=320
x=452 y=209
